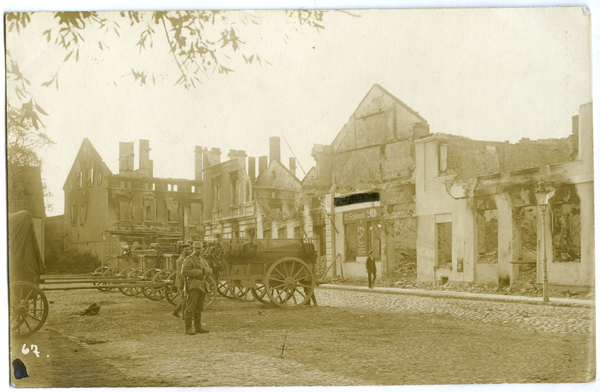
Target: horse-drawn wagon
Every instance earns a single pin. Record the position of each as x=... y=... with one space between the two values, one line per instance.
x=280 y=271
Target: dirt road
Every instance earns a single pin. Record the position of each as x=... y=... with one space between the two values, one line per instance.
x=136 y=342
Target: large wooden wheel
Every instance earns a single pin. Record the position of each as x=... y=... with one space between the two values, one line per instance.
x=28 y=308
x=259 y=292
x=289 y=282
x=223 y=289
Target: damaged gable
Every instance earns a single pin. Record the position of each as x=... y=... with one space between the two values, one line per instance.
x=379 y=118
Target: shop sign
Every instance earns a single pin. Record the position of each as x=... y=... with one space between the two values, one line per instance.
x=363 y=213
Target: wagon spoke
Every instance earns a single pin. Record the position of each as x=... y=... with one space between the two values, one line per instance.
x=300 y=270
x=279 y=280
x=304 y=285
x=280 y=273
x=28 y=294
x=300 y=292
x=26 y=323
x=285 y=268
x=279 y=285
x=303 y=277
x=36 y=319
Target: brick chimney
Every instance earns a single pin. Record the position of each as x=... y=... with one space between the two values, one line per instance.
x=151 y=170
x=293 y=165
x=216 y=155
x=252 y=168
x=323 y=155
x=262 y=164
x=274 y=149
x=126 y=157
x=144 y=158
x=232 y=154
x=198 y=163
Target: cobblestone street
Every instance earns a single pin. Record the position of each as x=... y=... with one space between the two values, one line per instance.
x=528 y=318
x=351 y=338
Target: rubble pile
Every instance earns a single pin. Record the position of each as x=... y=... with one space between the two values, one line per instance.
x=525 y=285
x=490 y=257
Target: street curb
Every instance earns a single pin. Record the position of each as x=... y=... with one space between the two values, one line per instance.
x=560 y=302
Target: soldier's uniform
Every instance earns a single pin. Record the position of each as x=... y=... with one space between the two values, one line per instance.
x=195 y=270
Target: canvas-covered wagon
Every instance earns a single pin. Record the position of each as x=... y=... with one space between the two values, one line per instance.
x=28 y=303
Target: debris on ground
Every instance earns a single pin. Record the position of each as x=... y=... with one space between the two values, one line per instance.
x=92 y=310
x=525 y=285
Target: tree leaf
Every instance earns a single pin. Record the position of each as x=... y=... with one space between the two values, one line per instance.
x=49 y=82
x=39 y=109
x=69 y=55
x=77 y=56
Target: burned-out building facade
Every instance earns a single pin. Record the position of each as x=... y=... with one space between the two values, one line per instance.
x=240 y=203
x=105 y=212
x=477 y=217
x=361 y=195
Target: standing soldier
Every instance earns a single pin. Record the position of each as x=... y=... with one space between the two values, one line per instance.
x=371 y=269
x=180 y=282
x=195 y=270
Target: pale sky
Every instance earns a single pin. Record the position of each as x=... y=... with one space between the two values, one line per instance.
x=490 y=74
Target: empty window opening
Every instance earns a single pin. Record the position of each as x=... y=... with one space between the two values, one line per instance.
x=444 y=243
x=487 y=236
x=566 y=233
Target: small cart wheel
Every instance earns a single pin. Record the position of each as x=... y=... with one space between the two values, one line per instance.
x=171 y=292
x=110 y=273
x=148 y=291
x=159 y=292
x=136 y=274
x=240 y=293
x=289 y=282
x=259 y=292
x=124 y=274
x=223 y=289
x=28 y=308
x=100 y=272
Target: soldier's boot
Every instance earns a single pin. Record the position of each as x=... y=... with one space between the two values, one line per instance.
x=188 y=326
x=198 y=324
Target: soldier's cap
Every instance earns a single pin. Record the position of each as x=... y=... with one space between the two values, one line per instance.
x=370 y=252
x=197 y=245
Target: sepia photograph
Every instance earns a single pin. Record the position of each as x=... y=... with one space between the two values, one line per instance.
x=330 y=197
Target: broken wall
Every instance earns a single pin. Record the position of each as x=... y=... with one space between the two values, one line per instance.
x=472 y=158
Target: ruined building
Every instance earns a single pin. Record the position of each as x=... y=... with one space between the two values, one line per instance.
x=106 y=211
x=240 y=204
x=477 y=217
x=360 y=195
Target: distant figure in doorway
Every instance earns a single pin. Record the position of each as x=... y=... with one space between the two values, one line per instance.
x=371 y=269
x=180 y=283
